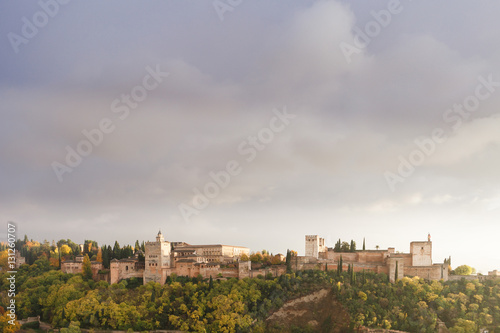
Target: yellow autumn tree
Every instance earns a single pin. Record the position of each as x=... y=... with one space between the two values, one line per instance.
x=4 y=260
x=99 y=255
x=87 y=268
x=6 y=324
x=65 y=250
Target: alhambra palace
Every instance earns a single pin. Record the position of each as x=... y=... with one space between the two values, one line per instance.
x=163 y=258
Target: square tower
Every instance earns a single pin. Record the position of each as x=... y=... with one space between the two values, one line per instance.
x=421 y=253
x=314 y=246
x=157 y=257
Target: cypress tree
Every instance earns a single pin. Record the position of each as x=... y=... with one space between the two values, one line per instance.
x=105 y=257
x=117 y=251
x=288 y=261
x=338 y=246
x=396 y=273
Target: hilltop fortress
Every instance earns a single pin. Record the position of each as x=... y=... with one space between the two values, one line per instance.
x=163 y=258
x=416 y=263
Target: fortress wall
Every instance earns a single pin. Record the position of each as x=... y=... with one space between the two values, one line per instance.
x=229 y=272
x=394 y=263
x=465 y=277
x=426 y=272
x=275 y=271
x=359 y=256
x=124 y=270
x=375 y=256
x=71 y=268
x=208 y=271
x=153 y=273
x=244 y=268
x=378 y=268
x=346 y=256
x=77 y=267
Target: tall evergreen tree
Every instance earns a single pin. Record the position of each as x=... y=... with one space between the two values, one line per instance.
x=105 y=256
x=288 y=261
x=117 y=251
x=338 y=246
x=396 y=273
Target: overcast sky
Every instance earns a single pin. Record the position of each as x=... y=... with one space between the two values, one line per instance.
x=372 y=119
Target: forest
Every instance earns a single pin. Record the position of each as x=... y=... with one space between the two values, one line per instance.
x=74 y=301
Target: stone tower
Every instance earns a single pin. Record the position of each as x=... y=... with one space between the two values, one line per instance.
x=314 y=246
x=157 y=257
x=421 y=253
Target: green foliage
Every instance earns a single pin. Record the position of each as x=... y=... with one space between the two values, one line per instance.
x=353 y=246
x=414 y=305
x=463 y=270
x=338 y=246
x=74 y=327
x=288 y=261
x=215 y=305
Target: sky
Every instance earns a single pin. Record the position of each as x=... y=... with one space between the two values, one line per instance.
x=253 y=123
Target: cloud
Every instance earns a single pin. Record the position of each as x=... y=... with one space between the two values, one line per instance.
x=353 y=120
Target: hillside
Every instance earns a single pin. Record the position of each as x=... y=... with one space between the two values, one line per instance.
x=316 y=312
x=304 y=301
